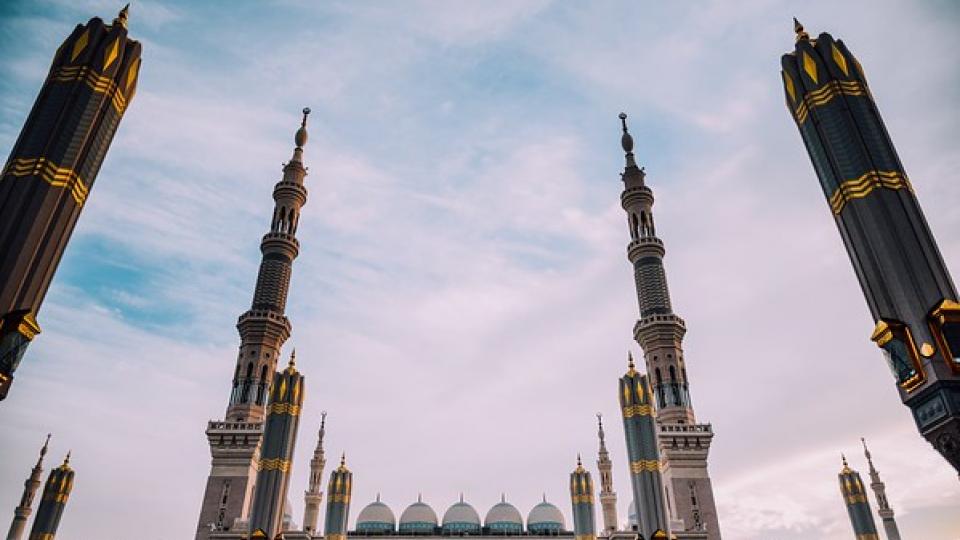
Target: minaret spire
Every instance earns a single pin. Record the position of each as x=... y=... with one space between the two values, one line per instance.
x=855 y=499
x=880 y=493
x=684 y=444
x=581 y=495
x=22 y=512
x=264 y=328
x=314 y=496
x=122 y=17
x=608 y=499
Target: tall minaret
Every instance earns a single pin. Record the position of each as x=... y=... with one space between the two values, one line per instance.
x=581 y=494
x=338 y=502
x=53 y=502
x=855 y=499
x=52 y=167
x=880 y=490
x=684 y=444
x=22 y=512
x=314 y=496
x=907 y=286
x=640 y=428
x=608 y=499
x=235 y=441
x=276 y=452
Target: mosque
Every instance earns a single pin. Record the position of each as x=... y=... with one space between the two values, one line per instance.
x=252 y=446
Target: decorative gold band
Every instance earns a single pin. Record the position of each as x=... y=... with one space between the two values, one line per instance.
x=98 y=83
x=284 y=408
x=823 y=95
x=338 y=498
x=585 y=537
x=868 y=536
x=651 y=465
x=863 y=186
x=854 y=499
x=51 y=173
x=585 y=499
x=275 y=464
x=637 y=410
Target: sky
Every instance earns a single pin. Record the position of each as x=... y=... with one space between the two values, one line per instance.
x=462 y=305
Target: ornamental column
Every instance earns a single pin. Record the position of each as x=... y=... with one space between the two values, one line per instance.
x=338 y=502
x=858 y=508
x=581 y=494
x=52 y=167
x=608 y=498
x=314 y=496
x=905 y=282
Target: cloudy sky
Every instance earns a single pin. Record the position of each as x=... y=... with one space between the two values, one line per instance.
x=462 y=305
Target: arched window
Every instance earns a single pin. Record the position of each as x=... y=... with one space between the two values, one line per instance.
x=245 y=393
x=261 y=388
x=294 y=217
x=634 y=227
x=673 y=374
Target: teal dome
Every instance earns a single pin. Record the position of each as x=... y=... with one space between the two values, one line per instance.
x=545 y=518
x=418 y=518
x=503 y=518
x=461 y=518
x=376 y=517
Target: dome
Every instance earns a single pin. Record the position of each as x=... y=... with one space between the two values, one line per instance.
x=545 y=518
x=504 y=518
x=461 y=518
x=418 y=518
x=376 y=517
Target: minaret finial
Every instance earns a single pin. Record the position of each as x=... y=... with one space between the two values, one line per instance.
x=343 y=459
x=323 y=423
x=419 y=497
x=122 y=17
x=866 y=452
x=43 y=451
x=544 y=496
x=579 y=461
x=301 y=137
x=631 y=367
x=66 y=460
x=378 y=496
x=798 y=28
x=626 y=141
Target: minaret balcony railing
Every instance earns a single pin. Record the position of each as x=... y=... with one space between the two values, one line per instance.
x=648 y=245
x=286 y=189
x=280 y=241
x=634 y=195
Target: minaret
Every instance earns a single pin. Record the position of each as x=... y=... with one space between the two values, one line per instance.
x=314 y=496
x=880 y=491
x=858 y=508
x=52 y=167
x=907 y=286
x=581 y=494
x=235 y=441
x=640 y=428
x=684 y=444
x=338 y=502
x=22 y=512
x=608 y=499
x=276 y=452
x=52 y=502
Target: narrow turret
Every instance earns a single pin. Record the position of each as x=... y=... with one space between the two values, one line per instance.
x=855 y=499
x=880 y=493
x=22 y=512
x=608 y=498
x=338 y=502
x=53 y=502
x=313 y=496
x=581 y=494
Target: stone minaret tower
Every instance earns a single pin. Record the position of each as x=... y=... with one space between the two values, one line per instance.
x=314 y=496
x=581 y=494
x=858 y=508
x=235 y=441
x=608 y=498
x=22 y=512
x=684 y=444
x=908 y=288
x=52 y=502
x=338 y=502
x=880 y=491
x=51 y=170
x=276 y=451
x=640 y=428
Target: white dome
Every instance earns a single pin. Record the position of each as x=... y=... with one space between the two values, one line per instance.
x=545 y=515
x=461 y=512
x=376 y=515
x=503 y=512
x=418 y=516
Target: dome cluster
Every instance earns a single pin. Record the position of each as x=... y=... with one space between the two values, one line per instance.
x=460 y=519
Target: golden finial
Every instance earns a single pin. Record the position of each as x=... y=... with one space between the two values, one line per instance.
x=798 y=28
x=846 y=468
x=631 y=368
x=293 y=358
x=123 y=16
x=66 y=460
x=343 y=459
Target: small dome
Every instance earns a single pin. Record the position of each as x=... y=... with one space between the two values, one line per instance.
x=545 y=518
x=461 y=518
x=504 y=518
x=418 y=518
x=376 y=517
